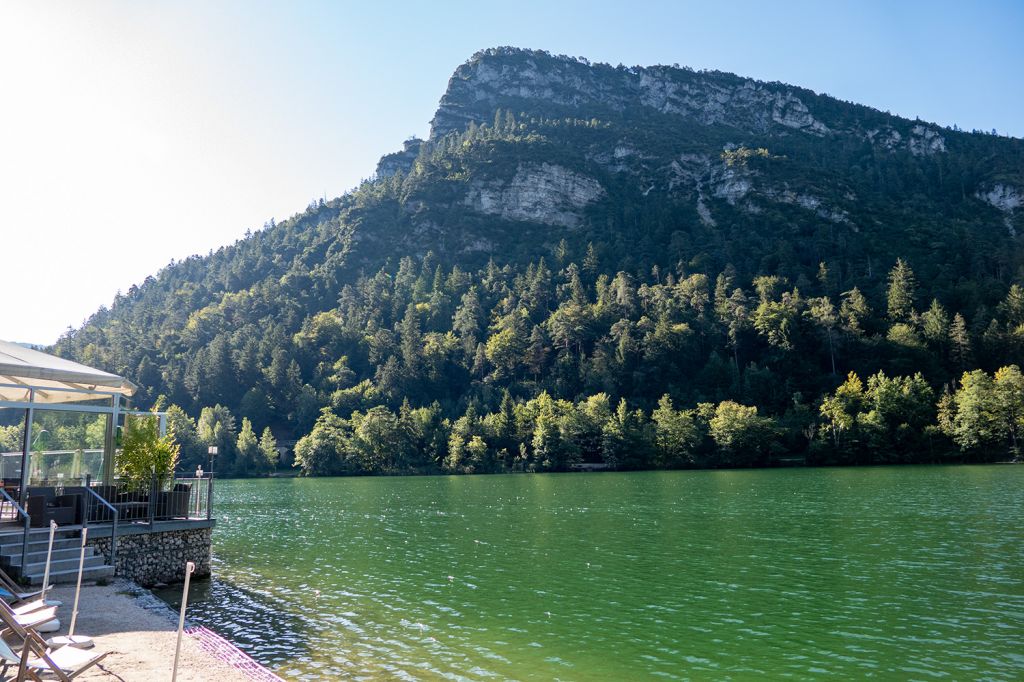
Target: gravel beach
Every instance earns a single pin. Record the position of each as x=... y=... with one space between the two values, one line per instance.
x=139 y=631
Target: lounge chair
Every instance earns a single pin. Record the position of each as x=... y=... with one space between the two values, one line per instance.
x=28 y=619
x=13 y=592
x=30 y=606
x=36 y=659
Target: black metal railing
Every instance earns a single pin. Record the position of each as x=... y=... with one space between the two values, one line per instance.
x=96 y=508
x=159 y=500
x=9 y=508
x=200 y=495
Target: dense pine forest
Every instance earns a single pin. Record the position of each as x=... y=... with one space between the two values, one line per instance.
x=638 y=267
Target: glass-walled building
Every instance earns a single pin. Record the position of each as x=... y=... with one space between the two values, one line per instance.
x=58 y=420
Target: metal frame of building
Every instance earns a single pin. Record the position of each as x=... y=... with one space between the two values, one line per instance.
x=54 y=384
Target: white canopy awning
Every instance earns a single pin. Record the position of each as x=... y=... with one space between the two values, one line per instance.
x=22 y=368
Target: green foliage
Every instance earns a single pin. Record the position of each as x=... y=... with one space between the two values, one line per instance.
x=741 y=155
x=321 y=451
x=676 y=434
x=987 y=412
x=145 y=454
x=248 y=448
x=902 y=288
x=885 y=421
x=743 y=437
x=268 y=449
x=439 y=338
x=11 y=438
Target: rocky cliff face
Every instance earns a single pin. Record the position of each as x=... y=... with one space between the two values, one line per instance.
x=544 y=193
x=511 y=78
x=706 y=148
x=399 y=161
x=1006 y=198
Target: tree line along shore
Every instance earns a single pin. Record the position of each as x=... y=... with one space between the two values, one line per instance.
x=538 y=371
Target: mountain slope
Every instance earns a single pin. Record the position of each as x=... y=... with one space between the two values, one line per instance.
x=581 y=228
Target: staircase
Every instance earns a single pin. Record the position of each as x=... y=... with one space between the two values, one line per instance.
x=67 y=547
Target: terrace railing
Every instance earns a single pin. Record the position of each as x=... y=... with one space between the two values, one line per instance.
x=10 y=509
x=200 y=496
x=99 y=510
x=184 y=498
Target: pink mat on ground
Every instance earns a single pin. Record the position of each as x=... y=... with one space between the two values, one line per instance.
x=225 y=651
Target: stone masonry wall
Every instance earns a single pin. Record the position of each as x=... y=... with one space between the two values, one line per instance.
x=151 y=558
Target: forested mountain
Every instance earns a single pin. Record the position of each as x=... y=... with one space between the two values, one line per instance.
x=637 y=266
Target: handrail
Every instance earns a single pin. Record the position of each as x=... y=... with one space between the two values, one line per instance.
x=28 y=526
x=18 y=507
x=113 y=531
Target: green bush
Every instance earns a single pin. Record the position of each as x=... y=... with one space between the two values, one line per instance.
x=144 y=453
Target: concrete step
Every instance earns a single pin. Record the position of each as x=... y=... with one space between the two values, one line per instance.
x=39 y=547
x=58 y=555
x=62 y=565
x=65 y=577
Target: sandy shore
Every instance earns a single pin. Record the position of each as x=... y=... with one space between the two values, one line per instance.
x=139 y=631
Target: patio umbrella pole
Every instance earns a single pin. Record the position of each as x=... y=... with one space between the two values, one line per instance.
x=189 y=567
x=53 y=625
x=71 y=639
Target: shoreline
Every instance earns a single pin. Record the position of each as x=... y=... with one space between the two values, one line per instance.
x=140 y=632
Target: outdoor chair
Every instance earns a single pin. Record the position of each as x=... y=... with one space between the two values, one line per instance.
x=44 y=505
x=33 y=606
x=173 y=504
x=36 y=659
x=14 y=621
x=12 y=591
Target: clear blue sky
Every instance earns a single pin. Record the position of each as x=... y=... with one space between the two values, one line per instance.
x=134 y=133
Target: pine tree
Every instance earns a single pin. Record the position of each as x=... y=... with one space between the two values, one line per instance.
x=676 y=434
x=855 y=311
x=537 y=352
x=248 y=449
x=412 y=341
x=1013 y=306
x=935 y=324
x=268 y=448
x=960 y=342
x=902 y=291
x=591 y=262
x=825 y=279
x=823 y=314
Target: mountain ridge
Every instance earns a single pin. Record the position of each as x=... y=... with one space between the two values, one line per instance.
x=570 y=229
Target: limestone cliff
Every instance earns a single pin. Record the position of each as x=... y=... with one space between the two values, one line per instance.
x=508 y=78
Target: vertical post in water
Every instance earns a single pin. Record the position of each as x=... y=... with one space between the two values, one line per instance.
x=189 y=567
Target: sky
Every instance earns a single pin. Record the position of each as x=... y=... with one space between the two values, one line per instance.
x=133 y=133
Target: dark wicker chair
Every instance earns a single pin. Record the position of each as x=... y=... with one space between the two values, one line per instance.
x=44 y=505
x=173 y=504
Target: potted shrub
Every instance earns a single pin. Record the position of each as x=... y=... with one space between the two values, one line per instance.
x=145 y=455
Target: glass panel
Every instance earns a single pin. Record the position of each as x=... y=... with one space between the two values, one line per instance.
x=12 y=429
x=66 y=447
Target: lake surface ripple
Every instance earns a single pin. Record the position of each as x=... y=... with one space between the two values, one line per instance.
x=893 y=573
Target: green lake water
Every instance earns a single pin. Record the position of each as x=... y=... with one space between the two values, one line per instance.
x=892 y=573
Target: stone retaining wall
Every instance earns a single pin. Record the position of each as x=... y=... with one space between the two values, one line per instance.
x=159 y=557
